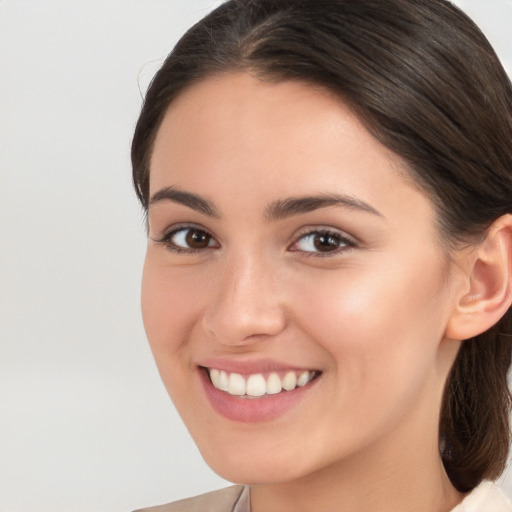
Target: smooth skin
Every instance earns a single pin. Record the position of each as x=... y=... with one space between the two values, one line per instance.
x=361 y=289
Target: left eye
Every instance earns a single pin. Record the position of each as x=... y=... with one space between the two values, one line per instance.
x=189 y=239
x=321 y=242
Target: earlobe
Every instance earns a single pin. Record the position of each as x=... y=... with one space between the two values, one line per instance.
x=488 y=291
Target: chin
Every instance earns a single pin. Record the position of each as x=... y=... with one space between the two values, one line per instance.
x=250 y=472
x=252 y=462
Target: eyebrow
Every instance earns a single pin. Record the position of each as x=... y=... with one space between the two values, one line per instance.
x=280 y=209
x=296 y=205
x=193 y=201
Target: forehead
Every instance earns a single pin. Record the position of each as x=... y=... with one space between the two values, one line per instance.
x=235 y=136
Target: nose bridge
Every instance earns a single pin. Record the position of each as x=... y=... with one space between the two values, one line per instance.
x=246 y=304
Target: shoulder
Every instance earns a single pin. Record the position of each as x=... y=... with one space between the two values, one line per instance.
x=487 y=497
x=222 y=500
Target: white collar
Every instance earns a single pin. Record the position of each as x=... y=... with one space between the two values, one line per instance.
x=487 y=497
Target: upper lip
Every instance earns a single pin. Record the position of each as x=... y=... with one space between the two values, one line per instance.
x=248 y=367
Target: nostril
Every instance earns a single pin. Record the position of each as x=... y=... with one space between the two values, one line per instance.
x=240 y=328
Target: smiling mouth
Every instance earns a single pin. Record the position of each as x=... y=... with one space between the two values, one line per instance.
x=258 y=385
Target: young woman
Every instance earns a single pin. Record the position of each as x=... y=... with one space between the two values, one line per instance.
x=328 y=185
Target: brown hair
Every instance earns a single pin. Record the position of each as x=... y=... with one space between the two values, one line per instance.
x=428 y=85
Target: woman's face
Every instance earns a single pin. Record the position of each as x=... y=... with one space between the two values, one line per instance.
x=290 y=259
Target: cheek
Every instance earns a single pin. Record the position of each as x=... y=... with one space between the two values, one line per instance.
x=170 y=303
x=377 y=321
x=382 y=342
x=168 y=307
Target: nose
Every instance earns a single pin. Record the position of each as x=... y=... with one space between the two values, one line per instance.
x=246 y=306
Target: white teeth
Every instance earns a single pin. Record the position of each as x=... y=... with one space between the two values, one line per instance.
x=274 y=384
x=223 y=381
x=256 y=385
x=303 y=379
x=219 y=379
x=214 y=377
x=236 y=384
x=290 y=381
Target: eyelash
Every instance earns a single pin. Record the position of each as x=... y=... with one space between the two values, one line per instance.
x=167 y=239
x=345 y=243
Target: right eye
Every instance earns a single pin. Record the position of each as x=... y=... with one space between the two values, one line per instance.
x=189 y=239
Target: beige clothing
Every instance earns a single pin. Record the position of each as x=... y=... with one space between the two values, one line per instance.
x=487 y=497
x=223 y=500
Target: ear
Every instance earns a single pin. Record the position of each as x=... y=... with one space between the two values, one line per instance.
x=487 y=290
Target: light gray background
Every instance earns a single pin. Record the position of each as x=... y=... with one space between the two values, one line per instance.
x=85 y=424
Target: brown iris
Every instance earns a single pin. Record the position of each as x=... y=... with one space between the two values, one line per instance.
x=325 y=242
x=197 y=239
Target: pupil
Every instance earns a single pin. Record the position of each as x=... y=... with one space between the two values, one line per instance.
x=198 y=239
x=325 y=243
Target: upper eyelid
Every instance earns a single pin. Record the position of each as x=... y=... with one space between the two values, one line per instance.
x=174 y=228
x=309 y=230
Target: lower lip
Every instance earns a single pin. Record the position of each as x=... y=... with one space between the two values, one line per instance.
x=252 y=410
